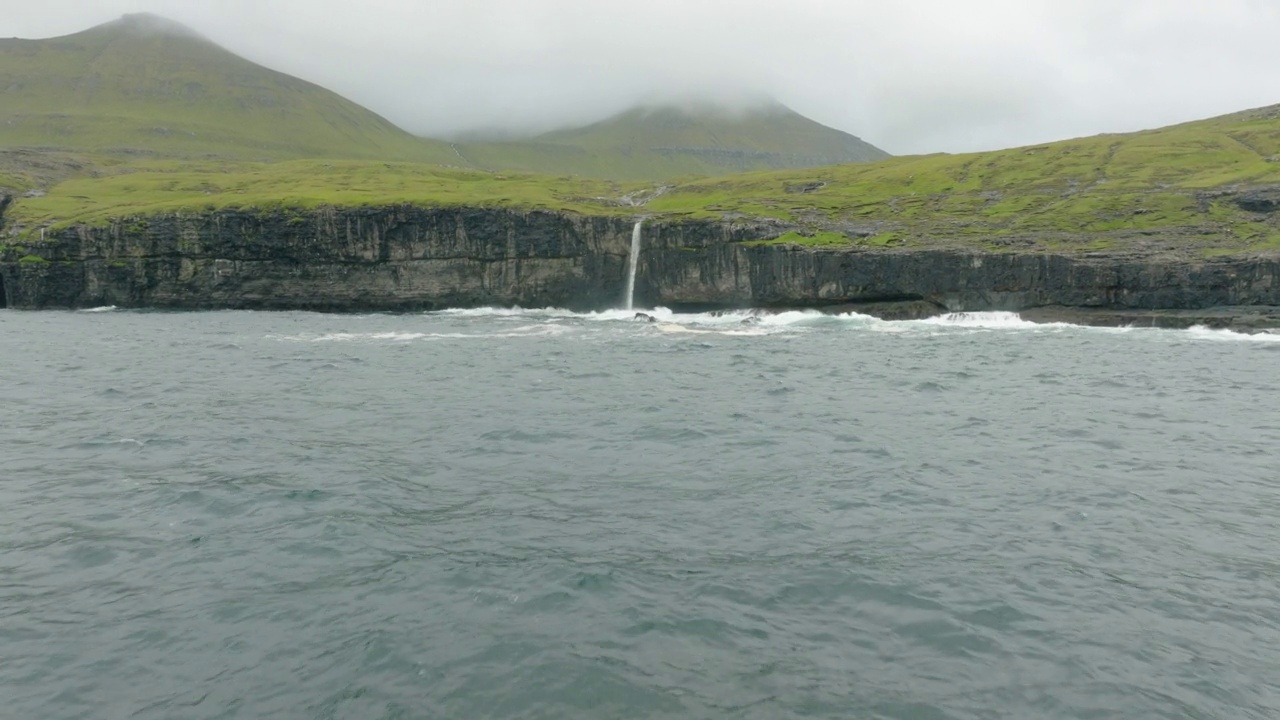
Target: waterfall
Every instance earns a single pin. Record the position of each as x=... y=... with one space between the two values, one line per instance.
x=632 y=262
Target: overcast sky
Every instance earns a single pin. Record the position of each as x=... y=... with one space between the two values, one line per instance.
x=911 y=76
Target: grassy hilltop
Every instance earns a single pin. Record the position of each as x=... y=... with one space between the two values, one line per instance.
x=1207 y=185
x=139 y=117
x=145 y=85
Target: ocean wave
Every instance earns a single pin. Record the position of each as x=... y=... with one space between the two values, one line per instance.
x=760 y=318
x=1200 y=332
x=988 y=321
x=749 y=322
x=728 y=322
x=517 y=312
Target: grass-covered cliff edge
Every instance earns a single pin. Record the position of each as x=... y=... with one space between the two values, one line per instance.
x=1200 y=189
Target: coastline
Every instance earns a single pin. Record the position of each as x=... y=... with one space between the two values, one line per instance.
x=408 y=258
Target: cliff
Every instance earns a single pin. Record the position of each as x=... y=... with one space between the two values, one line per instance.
x=410 y=257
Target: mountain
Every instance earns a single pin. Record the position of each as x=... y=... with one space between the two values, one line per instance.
x=143 y=83
x=147 y=86
x=656 y=142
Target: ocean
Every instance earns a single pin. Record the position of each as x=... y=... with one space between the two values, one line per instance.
x=542 y=514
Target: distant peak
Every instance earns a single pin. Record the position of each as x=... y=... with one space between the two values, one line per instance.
x=147 y=24
x=734 y=106
x=708 y=110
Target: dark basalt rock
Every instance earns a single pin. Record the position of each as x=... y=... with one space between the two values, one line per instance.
x=411 y=258
x=1242 y=319
x=913 y=309
x=805 y=188
x=1259 y=201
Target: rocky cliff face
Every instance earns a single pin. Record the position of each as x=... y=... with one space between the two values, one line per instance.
x=404 y=258
x=360 y=259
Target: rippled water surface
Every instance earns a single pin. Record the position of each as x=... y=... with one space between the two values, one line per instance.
x=545 y=515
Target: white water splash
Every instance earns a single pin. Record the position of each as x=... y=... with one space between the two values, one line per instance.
x=749 y=322
x=988 y=321
x=632 y=261
x=1200 y=332
x=507 y=312
x=107 y=308
x=555 y=322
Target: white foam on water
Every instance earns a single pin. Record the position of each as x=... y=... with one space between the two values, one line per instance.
x=750 y=323
x=103 y=309
x=516 y=311
x=537 y=314
x=610 y=315
x=988 y=321
x=677 y=329
x=761 y=321
x=1200 y=332
x=553 y=321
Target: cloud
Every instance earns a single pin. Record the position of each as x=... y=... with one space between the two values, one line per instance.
x=909 y=75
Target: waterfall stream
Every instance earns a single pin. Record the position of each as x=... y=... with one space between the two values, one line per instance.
x=632 y=261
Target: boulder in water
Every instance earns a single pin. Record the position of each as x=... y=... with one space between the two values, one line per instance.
x=646 y=317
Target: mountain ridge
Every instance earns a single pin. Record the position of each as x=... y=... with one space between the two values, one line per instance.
x=673 y=140
x=146 y=84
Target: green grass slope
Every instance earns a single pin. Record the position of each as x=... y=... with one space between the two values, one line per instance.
x=146 y=84
x=1181 y=188
x=1184 y=189
x=1199 y=189
x=658 y=143
x=169 y=186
